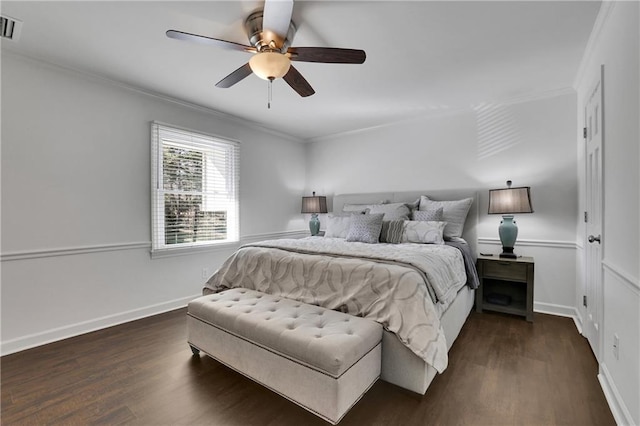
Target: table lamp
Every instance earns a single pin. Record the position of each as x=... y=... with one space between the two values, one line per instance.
x=314 y=205
x=507 y=202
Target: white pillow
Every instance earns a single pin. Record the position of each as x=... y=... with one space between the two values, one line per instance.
x=338 y=225
x=422 y=231
x=453 y=212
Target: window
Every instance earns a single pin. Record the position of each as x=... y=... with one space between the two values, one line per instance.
x=194 y=188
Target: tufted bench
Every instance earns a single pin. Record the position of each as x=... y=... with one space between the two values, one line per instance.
x=321 y=359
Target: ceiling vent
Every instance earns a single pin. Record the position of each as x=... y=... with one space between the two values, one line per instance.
x=10 y=28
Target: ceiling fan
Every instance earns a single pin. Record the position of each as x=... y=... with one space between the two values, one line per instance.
x=270 y=33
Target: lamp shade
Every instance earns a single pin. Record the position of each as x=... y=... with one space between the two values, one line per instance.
x=269 y=65
x=314 y=204
x=510 y=200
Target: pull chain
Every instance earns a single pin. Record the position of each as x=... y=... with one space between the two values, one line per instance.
x=270 y=95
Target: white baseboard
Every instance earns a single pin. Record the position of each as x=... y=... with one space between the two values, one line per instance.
x=620 y=412
x=553 y=309
x=578 y=321
x=71 y=330
x=560 y=311
x=53 y=335
x=617 y=406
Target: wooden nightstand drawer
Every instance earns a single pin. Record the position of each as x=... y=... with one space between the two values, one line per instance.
x=506 y=285
x=506 y=270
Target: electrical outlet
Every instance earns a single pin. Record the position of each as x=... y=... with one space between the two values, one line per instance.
x=205 y=273
x=616 y=346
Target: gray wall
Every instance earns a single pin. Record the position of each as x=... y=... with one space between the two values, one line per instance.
x=76 y=201
x=531 y=142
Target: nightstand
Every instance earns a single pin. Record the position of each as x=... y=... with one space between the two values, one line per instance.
x=506 y=285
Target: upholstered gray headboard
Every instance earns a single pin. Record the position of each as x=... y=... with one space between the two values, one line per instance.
x=470 y=231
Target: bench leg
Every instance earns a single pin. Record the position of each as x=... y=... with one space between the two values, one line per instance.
x=194 y=350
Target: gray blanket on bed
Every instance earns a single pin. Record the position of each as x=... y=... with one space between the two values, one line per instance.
x=396 y=285
x=469 y=262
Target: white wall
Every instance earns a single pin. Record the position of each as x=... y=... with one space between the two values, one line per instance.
x=76 y=201
x=532 y=143
x=616 y=44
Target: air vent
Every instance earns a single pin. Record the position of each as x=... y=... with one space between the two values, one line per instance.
x=10 y=28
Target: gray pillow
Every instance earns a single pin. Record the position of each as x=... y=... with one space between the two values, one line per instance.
x=365 y=228
x=453 y=212
x=392 y=211
x=434 y=215
x=392 y=231
x=360 y=208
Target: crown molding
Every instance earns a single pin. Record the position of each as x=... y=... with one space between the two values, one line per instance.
x=437 y=113
x=150 y=93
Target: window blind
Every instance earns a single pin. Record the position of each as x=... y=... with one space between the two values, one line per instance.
x=195 y=184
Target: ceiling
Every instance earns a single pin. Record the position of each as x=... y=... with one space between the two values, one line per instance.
x=423 y=57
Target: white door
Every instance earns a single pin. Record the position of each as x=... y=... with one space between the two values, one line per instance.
x=593 y=217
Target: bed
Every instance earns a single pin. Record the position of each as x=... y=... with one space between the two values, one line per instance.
x=421 y=293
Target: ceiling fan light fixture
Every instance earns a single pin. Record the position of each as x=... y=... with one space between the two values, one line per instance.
x=269 y=65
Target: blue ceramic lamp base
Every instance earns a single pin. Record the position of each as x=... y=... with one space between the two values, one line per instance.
x=508 y=231
x=314 y=224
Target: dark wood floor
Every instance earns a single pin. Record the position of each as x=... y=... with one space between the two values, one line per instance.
x=502 y=371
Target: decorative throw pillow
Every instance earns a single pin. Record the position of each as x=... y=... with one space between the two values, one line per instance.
x=453 y=212
x=338 y=225
x=428 y=215
x=392 y=211
x=425 y=232
x=365 y=228
x=392 y=231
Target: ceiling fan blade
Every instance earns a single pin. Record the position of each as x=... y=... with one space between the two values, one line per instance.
x=224 y=44
x=276 y=18
x=298 y=83
x=233 y=78
x=328 y=55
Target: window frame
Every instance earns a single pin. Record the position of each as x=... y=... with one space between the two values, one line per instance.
x=162 y=135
